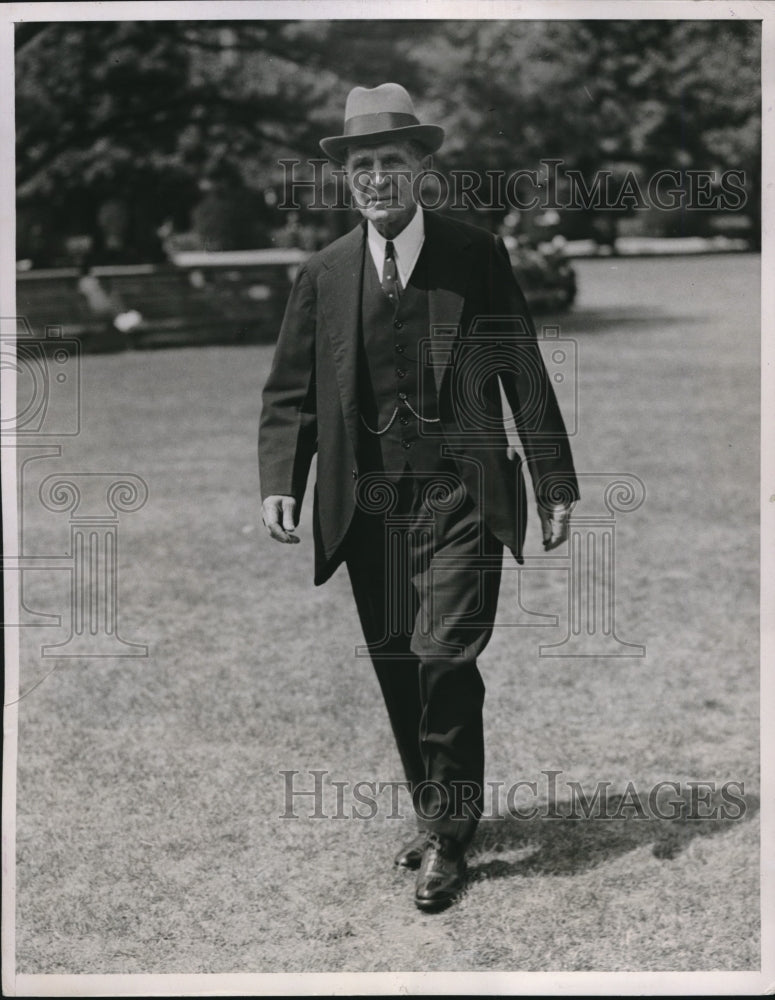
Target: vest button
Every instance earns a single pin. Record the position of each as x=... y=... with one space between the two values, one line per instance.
x=403 y=420
x=398 y=325
x=355 y=474
x=400 y=372
x=400 y=348
x=402 y=396
x=406 y=445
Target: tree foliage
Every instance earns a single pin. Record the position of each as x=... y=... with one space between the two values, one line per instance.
x=146 y=110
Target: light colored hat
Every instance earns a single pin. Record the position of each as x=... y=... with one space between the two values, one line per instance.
x=380 y=113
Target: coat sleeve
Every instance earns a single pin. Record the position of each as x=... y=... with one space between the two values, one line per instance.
x=531 y=396
x=287 y=437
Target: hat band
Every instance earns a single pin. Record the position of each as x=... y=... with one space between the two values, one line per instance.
x=379 y=121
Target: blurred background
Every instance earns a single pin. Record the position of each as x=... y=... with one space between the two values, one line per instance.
x=146 y=144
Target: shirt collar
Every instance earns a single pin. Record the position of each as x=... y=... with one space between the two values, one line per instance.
x=407 y=246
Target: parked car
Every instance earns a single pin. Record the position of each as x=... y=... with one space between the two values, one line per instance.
x=545 y=274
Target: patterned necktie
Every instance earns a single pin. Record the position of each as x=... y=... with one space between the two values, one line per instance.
x=391 y=286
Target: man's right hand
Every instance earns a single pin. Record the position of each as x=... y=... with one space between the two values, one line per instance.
x=280 y=518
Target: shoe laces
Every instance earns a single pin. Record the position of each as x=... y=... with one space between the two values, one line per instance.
x=439 y=843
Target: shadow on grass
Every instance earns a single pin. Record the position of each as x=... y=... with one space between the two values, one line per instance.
x=571 y=842
x=602 y=320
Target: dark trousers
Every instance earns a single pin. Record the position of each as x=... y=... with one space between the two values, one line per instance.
x=425 y=575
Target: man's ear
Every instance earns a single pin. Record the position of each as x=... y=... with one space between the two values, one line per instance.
x=427 y=162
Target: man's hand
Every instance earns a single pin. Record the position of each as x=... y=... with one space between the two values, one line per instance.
x=554 y=524
x=280 y=518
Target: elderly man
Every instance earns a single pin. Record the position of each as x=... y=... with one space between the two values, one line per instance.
x=388 y=364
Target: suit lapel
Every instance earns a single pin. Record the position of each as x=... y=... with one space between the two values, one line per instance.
x=449 y=267
x=448 y=262
x=340 y=302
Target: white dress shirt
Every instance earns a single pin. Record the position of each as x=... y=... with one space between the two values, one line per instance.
x=407 y=246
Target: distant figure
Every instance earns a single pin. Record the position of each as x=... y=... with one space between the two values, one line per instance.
x=122 y=237
x=296 y=234
x=227 y=217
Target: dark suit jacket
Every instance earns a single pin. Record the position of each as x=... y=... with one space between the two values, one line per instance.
x=481 y=332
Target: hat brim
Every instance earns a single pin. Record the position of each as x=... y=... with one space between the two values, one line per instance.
x=429 y=136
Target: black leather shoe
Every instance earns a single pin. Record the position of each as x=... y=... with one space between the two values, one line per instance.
x=410 y=855
x=442 y=873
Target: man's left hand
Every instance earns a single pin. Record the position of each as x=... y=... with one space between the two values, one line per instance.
x=554 y=524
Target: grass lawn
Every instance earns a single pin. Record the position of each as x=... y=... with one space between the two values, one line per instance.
x=149 y=837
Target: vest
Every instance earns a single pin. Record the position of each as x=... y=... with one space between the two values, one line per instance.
x=395 y=388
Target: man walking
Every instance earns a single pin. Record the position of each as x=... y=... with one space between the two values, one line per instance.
x=395 y=342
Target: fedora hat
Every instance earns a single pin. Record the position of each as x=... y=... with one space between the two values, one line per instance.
x=384 y=112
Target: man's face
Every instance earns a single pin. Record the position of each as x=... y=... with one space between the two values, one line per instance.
x=382 y=181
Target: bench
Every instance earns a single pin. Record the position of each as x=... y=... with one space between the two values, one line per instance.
x=51 y=299
x=227 y=297
x=250 y=287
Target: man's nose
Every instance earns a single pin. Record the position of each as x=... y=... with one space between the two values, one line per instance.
x=381 y=176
